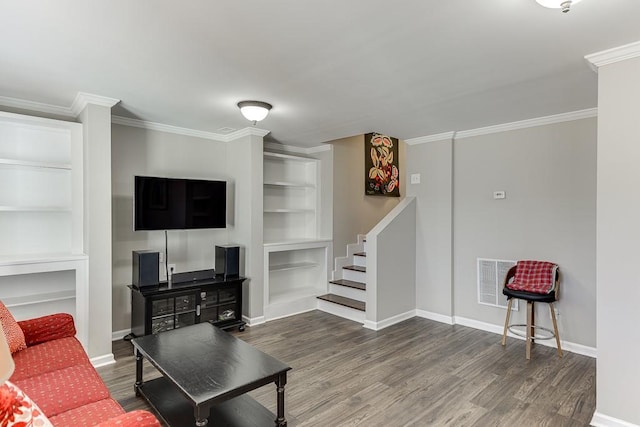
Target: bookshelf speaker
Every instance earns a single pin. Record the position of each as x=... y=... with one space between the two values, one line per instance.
x=146 y=266
x=227 y=263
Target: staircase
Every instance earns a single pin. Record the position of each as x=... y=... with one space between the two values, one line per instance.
x=347 y=290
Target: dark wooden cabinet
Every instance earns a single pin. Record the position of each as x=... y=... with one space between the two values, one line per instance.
x=161 y=308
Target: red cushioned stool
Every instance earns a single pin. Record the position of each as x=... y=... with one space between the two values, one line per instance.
x=532 y=281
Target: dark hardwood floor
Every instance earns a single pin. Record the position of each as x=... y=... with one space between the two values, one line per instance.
x=416 y=373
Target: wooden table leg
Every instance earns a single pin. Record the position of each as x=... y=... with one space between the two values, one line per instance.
x=281 y=381
x=138 y=373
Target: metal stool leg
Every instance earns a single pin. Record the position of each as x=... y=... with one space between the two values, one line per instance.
x=528 y=327
x=555 y=328
x=506 y=322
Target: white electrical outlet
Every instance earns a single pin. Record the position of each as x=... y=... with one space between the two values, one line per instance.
x=415 y=178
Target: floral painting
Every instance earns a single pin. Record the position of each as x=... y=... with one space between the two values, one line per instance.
x=382 y=176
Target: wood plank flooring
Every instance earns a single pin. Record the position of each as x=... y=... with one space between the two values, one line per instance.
x=416 y=373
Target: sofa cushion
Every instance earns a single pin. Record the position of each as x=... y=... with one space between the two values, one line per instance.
x=59 y=391
x=47 y=328
x=15 y=336
x=47 y=357
x=17 y=409
x=88 y=415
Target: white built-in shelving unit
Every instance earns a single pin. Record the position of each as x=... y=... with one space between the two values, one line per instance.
x=296 y=254
x=41 y=218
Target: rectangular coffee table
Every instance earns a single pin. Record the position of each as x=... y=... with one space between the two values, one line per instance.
x=206 y=373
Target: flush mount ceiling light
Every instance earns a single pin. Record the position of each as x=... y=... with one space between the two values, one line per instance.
x=254 y=110
x=564 y=5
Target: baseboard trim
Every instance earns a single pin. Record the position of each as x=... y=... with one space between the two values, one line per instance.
x=118 y=335
x=253 y=321
x=434 y=316
x=104 y=360
x=497 y=329
x=376 y=326
x=601 y=420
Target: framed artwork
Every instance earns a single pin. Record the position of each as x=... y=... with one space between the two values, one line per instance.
x=382 y=174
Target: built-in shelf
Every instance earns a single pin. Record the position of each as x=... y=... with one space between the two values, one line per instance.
x=295 y=158
x=40 y=258
x=288 y=210
x=291 y=295
x=39 y=299
x=284 y=184
x=34 y=209
x=32 y=164
x=292 y=266
x=301 y=242
x=295 y=257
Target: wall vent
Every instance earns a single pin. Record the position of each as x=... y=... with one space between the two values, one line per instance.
x=491 y=274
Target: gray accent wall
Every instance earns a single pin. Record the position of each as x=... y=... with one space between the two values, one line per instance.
x=136 y=151
x=549 y=175
x=354 y=212
x=549 y=213
x=434 y=162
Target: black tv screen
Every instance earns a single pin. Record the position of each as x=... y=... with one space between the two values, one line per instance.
x=178 y=204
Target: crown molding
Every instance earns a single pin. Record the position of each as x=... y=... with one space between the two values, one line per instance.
x=523 y=124
x=83 y=99
x=430 y=138
x=616 y=54
x=319 y=148
x=251 y=131
x=80 y=102
x=23 y=104
x=143 y=124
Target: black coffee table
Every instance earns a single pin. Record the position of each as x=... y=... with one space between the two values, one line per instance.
x=206 y=373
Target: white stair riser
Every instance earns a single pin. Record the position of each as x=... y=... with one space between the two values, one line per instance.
x=339 y=263
x=353 y=248
x=345 y=291
x=356 y=276
x=341 y=311
x=360 y=260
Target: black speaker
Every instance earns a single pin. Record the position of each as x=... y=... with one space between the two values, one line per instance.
x=227 y=261
x=146 y=268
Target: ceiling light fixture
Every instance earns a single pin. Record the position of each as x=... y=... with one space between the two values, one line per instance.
x=564 y=5
x=254 y=110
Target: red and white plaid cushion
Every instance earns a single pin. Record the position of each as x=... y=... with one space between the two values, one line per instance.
x=534 y=276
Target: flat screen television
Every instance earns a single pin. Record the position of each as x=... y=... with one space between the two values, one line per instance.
x=178 y=204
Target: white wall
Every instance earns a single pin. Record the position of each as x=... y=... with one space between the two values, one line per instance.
x=618 y=233
x=549 y=175
x=138 y=151
x=245 y=160
x=391 y=266
x=96 y=127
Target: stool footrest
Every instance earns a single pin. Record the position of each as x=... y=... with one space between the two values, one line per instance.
x=523 y=334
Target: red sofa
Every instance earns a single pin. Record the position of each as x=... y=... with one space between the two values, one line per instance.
x=55 y=372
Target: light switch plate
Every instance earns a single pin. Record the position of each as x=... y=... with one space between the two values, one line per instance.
x=415 y=178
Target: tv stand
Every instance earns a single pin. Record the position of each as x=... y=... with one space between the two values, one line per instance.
x=163 y=307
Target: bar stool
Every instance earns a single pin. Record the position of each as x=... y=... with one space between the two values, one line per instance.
x=532 y=281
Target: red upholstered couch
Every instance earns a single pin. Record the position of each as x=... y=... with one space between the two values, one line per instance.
x=55 y=372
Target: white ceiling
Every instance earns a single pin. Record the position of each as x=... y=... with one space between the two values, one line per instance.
x=331 y=68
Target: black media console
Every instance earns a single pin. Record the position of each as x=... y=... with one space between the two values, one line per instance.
x=161 y=308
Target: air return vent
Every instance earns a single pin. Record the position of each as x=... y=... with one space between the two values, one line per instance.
x=491 y=274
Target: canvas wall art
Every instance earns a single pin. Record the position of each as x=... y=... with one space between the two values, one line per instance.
x=382 y=173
